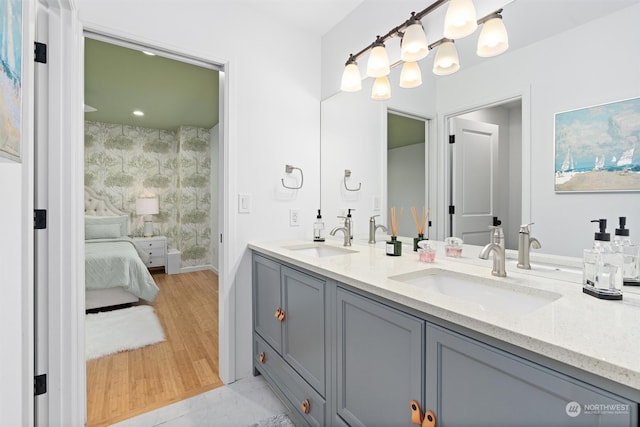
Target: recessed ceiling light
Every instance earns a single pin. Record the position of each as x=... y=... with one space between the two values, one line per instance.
x=148 y=53
x=138 y=113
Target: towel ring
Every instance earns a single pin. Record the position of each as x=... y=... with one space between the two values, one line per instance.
x=347 y=174
x=290 y=169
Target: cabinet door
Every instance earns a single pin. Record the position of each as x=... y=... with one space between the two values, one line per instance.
x=266 y=300
x=304 y=326
x=473 y=384
x=379 y=360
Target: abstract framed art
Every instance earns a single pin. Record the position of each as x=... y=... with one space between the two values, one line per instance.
x=597 y=149
x=10 y=78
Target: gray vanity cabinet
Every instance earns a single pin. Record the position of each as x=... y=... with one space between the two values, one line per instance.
x=380 y=362
x=290 y=335
x=469 y=383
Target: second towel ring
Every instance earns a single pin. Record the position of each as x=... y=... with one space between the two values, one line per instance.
x=289 y=169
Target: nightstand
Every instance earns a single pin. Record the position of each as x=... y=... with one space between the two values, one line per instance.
x=156 y=248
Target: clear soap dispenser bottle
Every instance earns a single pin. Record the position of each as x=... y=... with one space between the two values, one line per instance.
x=630 y=253
x=602 y=267
x=318 y=228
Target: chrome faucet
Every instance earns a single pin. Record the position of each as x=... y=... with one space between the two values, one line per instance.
x=525 y=243
x=346 y=229
x=373 y=227
x=497 y=247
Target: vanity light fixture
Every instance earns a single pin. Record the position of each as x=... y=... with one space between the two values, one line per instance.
x=494 y=39
x=351 y=80
x=460 y=21
x=378 y=64
x=447 y=60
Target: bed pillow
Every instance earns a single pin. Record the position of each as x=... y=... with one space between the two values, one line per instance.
x=102 y=231
x=122 y=223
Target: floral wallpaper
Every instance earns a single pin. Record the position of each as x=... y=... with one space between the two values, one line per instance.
x=122 y=162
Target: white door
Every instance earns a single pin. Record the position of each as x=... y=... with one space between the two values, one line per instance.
x=474 y=179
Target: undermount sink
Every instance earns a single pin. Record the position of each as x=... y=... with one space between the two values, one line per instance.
x=487 y=294
x=319 y=250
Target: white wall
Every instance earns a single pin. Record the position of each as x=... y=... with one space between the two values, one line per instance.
x=591 y=64
x=274 y=79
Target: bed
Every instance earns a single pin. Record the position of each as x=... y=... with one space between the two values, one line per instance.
x=115 y=271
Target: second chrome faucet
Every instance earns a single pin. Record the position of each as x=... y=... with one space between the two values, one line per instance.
x=497 y=247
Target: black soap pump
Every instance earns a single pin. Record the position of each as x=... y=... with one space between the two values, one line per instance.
x=602 y=267
x=318 y=228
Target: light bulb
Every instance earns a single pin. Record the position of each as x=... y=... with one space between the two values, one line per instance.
x=381 y=89
x=351 y=80
x=446 y=61
x=378 y=63
x=460 y=20
x=493 y=38
x=414 y=45
x=410 y=76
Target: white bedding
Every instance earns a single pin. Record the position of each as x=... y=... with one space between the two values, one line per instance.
x=116 y=262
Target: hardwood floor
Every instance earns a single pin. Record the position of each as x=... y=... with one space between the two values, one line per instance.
x=130 y=383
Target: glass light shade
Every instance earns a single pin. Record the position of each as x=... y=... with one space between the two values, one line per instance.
x=381 y=89
x=410 y=76
x=460 y=20
x=493 y=38
x=414 y=44
x=446 y=61
x=378 y=63
x=147 y=206
x=351 y=80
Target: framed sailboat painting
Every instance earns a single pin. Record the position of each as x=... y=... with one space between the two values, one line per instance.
x=597 y=149
x=10 y=78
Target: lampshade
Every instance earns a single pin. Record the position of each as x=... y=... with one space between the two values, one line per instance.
x=351 y=80
x=460 y=20
x=410 y=76
x=147 y=206
x=446 y=61
x=414 y=45
x=378 y=64
x=381 y=89
x=493 y=38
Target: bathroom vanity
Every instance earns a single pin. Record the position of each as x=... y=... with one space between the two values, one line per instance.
x=353 y=337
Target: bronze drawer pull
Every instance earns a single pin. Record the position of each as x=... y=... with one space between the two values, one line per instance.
x=262 y=357
x=429 y=418
x=280 y=315
x=306 y=406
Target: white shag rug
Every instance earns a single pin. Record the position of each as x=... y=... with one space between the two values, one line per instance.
x=109 y=332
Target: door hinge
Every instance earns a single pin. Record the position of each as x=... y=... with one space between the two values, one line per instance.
x=40 y=52
x=39 y=219
x=40 y=384
x=452 y=139
x=452 y=210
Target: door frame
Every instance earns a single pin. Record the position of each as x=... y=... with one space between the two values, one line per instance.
x=67 y=378
x=444 y=155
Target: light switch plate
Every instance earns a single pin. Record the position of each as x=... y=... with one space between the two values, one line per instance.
x=244 y=203
x=294 y=217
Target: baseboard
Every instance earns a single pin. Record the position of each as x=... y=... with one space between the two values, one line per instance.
x=198 y=268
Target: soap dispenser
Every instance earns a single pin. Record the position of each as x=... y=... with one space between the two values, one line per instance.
x=350 y=221
x=630 y=253
x=318 y=228
x=602 y=267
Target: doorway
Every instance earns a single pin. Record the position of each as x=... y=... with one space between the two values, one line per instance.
x=485 y=179
x=172 y=152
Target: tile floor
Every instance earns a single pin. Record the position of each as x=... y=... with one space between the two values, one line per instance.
x=240 y=404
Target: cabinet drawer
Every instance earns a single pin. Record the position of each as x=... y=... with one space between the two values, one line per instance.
x=155 y=245
x=156 y=261
x=292 y=385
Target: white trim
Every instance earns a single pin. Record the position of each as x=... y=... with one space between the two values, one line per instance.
x=198 y=268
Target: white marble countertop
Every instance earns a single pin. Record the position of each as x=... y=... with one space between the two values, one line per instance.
x=597 y=336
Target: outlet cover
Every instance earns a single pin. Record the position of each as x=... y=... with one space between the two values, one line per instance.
x=294 y=217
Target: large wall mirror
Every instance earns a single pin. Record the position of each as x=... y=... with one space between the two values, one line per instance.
x=550 y=70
